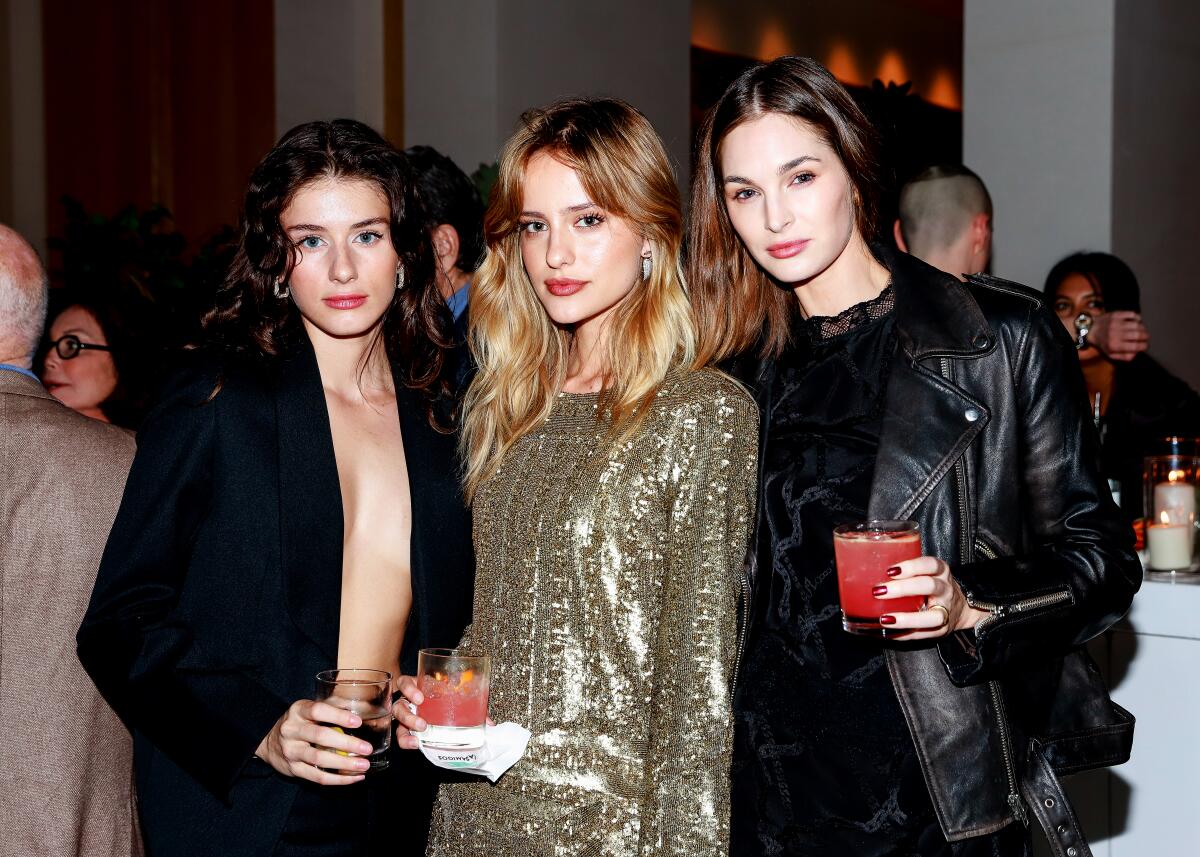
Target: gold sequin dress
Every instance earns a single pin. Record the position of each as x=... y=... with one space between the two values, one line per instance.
x=606 y=593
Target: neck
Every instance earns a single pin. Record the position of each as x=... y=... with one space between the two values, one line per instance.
x=587 y=360
x=451 y=281
x=95 y=414
x=22 y=362
x=853 y=277
x=949 y=261
x=349 y=367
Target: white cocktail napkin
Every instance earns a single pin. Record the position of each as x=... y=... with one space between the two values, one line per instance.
x=502 y=747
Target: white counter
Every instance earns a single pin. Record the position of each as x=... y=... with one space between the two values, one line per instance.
x=1150 y=806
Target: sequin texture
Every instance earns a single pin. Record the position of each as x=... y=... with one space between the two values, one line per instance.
x=606 y=592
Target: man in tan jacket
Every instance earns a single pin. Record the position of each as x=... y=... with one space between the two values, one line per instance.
x=65 y=758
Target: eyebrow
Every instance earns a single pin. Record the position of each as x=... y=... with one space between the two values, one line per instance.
x=788 y=167
x=312 y=227
x=569 y=210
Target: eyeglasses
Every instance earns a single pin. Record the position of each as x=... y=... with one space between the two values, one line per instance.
x=69 y=346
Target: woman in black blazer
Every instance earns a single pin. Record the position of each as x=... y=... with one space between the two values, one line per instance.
x=294 y=506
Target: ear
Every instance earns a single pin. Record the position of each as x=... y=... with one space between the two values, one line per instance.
x=898 y=233
x=445 y=246
x=647 y=249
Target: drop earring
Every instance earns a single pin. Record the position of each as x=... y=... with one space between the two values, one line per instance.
x=399 y=277
x=645 y=268
x=281 y=290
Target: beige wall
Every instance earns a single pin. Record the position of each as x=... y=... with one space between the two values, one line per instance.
x=472 y=67
x=1156 y=170
x=22 y=121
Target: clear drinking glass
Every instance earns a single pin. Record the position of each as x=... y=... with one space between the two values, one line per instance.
x=1172 y=525
x=454 y=684
x=864 y=551
x=368 y=693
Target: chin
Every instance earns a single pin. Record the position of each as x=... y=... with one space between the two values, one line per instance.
x=346 y=324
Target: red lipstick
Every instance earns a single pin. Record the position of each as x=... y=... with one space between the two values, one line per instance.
x=787 y=249
x=562 y=287
x=345 y=301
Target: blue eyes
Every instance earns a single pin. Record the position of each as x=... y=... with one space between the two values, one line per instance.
x=313 y=242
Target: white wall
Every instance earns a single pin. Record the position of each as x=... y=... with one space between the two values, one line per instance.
x=1156 y=170
x=328 y=61
x=1038 y=126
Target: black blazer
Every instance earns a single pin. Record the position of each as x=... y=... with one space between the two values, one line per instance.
x=218 y=596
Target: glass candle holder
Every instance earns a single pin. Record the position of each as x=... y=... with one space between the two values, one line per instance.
x=1171 y=522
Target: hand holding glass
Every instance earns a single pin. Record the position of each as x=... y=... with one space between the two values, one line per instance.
x=454 y=685
x=864 y=551
x=368 y=694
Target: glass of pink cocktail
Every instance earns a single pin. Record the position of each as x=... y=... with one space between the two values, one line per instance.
x=454 y=684
x=864 y=552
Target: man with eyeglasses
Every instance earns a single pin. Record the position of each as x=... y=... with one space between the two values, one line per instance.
x=65 y=758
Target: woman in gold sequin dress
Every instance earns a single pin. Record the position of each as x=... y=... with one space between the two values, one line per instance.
x=613 y=489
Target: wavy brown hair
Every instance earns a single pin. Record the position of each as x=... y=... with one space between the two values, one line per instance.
x=249 y=324
x=521 y=353
x=738 y=307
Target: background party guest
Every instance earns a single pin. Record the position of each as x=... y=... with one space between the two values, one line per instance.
x=612 y=494
x=66 y=786
x=1137 y=401
x=890 y=390
x=100 y=359
x=293 y=507
x=946 y=221
x=454 y=217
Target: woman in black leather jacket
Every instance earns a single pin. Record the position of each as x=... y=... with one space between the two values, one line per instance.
x=890 y=390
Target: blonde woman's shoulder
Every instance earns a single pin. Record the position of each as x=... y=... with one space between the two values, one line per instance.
x=707 y=393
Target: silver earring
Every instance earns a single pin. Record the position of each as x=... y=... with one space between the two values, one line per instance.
x=281 y=290
x=399 y=278
x=645 y=268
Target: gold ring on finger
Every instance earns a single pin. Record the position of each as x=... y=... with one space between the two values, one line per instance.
x=945 y=613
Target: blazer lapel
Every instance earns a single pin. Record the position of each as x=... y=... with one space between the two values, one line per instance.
x=311 y=526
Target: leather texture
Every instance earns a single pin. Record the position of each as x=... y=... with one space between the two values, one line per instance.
x=987 y=443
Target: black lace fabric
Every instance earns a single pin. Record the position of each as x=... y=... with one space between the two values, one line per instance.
x=823 y=761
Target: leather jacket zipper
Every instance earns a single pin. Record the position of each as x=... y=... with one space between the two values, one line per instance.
x=1015 y=805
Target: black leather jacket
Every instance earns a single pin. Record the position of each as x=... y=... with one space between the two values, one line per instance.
x=986 y=442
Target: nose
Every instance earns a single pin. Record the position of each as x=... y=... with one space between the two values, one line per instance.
x=341 y=267
x=560 y=250
x=776 y=213
x=52 y=360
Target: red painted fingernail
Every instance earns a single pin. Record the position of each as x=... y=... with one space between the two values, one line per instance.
x=893 y=571
x=887 y=620
x=879 y=590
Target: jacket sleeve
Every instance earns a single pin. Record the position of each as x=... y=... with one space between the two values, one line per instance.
x=685 y=809
x=135 y=644
x=1082 y=573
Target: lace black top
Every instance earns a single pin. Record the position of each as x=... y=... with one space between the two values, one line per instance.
x=826 y=765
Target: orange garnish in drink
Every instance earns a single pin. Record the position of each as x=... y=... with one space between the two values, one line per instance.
x=465 y=677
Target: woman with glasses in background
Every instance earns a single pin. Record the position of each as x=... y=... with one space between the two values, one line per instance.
x=101 y=360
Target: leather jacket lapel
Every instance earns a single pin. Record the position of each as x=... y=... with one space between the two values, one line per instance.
x=311 y=526
x=918 y=446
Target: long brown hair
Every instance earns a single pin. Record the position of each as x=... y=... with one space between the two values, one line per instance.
x=737 y=306
x=521 y=353
x=249 y=324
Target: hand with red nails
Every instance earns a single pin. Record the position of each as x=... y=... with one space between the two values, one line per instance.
x=930 y=577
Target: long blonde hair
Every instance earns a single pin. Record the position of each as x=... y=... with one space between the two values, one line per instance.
x=521 y=354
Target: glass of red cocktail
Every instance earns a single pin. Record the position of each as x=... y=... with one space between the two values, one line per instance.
x=454 y=684
x=864 y=552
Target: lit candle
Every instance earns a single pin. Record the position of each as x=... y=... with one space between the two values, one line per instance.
x=1170 y=545
x=1175 y=496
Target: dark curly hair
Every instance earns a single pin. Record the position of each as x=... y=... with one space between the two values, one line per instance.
x=249 y=324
